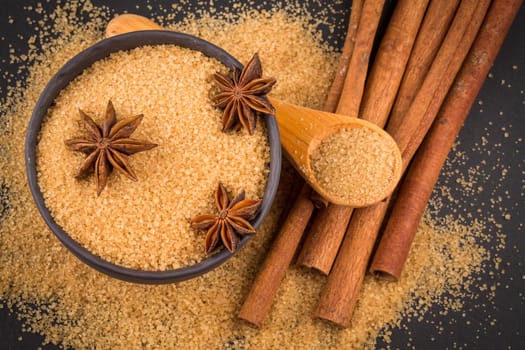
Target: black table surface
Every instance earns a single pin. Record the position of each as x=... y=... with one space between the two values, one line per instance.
x=498 y=113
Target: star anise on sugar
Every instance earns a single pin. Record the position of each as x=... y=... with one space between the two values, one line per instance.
x=231 y=221
x=108 y=146
x=243 y=96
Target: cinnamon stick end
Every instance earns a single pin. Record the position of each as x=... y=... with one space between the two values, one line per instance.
x=387 y=266
x=250 y=319
x=384 y=275
x=333 y=318
x=335 y=323
x=309 y=263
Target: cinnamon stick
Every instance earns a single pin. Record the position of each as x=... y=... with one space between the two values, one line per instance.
x=417 y=187
x=428 y=41
x=260 y=298
x=324 y=238
x=348 y=48
x=358 y=66
x=340 y=294
x=447 y=63
x=329 y=226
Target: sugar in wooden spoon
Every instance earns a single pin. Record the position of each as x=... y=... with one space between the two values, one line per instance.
x=347 y=160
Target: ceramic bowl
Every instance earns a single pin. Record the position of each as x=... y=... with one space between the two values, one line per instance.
x=72 y=69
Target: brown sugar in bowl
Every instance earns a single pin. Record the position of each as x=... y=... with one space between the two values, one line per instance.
x=70 y=71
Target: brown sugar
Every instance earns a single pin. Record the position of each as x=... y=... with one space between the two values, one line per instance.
x=355 y=165
x=146 y=224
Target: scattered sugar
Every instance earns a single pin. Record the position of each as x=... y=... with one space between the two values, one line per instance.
x=146 y=224
x=355 y=165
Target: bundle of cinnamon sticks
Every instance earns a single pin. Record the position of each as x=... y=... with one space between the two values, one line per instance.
x=429 y=68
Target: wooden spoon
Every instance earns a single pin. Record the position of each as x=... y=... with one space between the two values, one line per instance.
x=302 y=130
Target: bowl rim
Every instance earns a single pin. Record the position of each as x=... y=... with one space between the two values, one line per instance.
x=70 y=71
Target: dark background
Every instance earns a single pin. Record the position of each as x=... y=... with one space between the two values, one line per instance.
x=500 y=108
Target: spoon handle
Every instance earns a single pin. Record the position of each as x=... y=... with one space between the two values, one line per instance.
x=301 y=129
x=129 y=23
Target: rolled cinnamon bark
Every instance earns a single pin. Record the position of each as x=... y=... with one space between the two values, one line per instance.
x=417 y=187
x=433 y=29
x=358 y=67
x=340 y=294
x=259 y=299
x=324 y=237
x=346 y=55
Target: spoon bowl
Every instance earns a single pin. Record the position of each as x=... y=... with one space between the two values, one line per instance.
x=302 y=130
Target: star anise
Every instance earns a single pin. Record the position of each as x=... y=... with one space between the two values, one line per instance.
x=243 y=96
x=108 y=146
x=231 y=221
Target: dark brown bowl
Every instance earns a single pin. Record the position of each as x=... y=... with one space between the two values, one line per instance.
x=72 y=69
